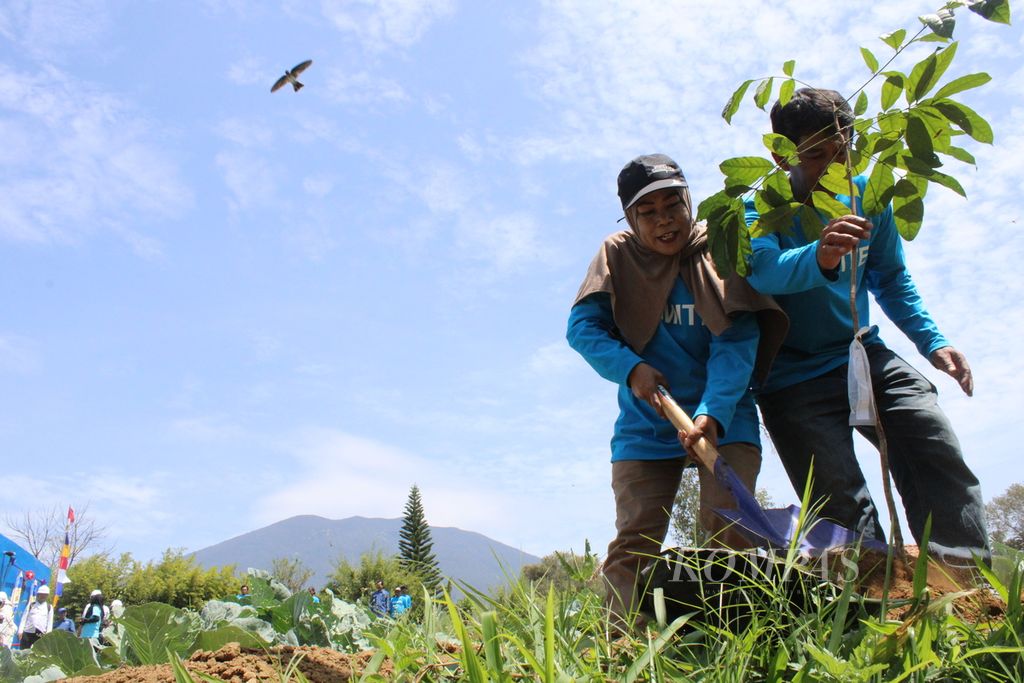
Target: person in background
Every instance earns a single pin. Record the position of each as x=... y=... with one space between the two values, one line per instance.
x=7 y=627
x=406 y=598
x=243 y=596
x=62 y=622
x=397 y=605
x=94 y=616
x=380 y=601
x=37 y=620
x=312 y=594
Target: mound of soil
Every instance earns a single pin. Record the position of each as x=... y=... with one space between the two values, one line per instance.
x=977 y=604
x=241 y=665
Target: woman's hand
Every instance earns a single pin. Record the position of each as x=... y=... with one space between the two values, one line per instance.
x=705 y=427
x=643 y=381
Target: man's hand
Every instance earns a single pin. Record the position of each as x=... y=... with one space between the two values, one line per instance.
x=703 y=427
x=954 y=364
x=839 y=238
x=643 y=381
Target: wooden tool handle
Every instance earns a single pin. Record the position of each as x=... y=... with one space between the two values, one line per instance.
x=705 y=452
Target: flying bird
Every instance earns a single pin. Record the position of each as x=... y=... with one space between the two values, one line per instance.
x=292 y=76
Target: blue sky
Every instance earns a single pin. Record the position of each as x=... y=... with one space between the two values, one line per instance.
x=224 y=307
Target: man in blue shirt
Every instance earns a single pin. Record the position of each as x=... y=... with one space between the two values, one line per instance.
x=380 y=600
x=62 y=622
x=804 y=401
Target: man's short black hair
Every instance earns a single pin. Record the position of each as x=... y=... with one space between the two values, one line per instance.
x=811 y=110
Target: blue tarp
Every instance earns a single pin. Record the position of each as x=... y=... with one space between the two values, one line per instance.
x=20 y=562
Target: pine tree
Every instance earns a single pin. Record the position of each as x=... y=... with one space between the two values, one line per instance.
x=415 y=547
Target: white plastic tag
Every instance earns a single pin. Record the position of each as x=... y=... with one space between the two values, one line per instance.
x=858 y=382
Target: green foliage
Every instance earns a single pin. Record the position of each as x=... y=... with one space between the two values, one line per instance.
x=291 y=571
x=907 y=145
x=564 y=571
x=154 y=629
x=685 y=527
x=1006 y=517
x=176 y=579
x=415 y=545
x=355 y=583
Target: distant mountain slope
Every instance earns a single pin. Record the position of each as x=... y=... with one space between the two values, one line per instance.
x=463 y=555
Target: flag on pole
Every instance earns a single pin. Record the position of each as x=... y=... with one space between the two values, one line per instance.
x=62 y=568
x=71 y=515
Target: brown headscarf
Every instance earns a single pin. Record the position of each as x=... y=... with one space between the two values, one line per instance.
x=640 y=280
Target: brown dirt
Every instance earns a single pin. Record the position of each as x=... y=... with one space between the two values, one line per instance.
x=244 y=665
x=979 y=604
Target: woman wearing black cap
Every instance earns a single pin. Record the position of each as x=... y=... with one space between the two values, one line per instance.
x=653 y=311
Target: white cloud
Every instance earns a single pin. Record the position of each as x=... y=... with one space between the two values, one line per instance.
x=250 y=70
x=318 y=186
x=206 y=428
x=18 y=355
x=48 y=28
x=249 y=178
x=83 y=162
x=245 y=133
x=362 y=88
x=381 y=24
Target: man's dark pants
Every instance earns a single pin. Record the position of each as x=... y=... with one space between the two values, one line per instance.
x=810 y=421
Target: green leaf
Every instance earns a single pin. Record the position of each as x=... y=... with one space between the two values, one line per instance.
x=713 y=205
x=734 y=102
x=892 y=86
x=781 y=145
x=745 y=170
x=150 y=630
x=879 y=190
x=862 y=104
x=810 y=222
x=869 y=59
x=894 y=39
x=966 y=119
x=908 y=206
x=927 y=73
x=892 y=124
x=729 y=240
x=777 y=219
x=763 y=93
x=776 y=188
x=73 y=655
x=834 y=179
x=787 y=68
x=786 y=91
x=941 y=23
x=829 y=205
x=919 y=141
x=993 y=10
x=960 y=154
x=858 y=162
x=921 y=566
x=946 y=181
x=963 y=83
x=214 y=640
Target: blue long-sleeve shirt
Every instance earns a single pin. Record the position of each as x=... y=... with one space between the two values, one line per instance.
x=818 y=303
x=708 y=374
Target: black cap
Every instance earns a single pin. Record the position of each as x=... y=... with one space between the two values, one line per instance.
x=648 y=173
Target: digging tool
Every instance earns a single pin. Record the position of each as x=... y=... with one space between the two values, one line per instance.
x=766 y=528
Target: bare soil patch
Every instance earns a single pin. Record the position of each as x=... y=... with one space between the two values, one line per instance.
x=978 y=603
x=241 y=665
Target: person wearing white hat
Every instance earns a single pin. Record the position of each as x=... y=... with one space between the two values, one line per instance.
x=37 y=620
x=7 y=628
x=94 y=616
